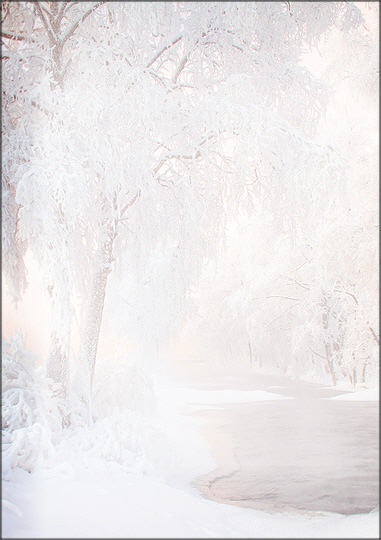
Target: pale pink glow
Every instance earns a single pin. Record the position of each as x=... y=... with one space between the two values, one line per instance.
x=32 y=315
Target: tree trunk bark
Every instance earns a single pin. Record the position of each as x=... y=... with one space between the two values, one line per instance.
x=330 y=364
x=57 y=369
x=250 y=354
x=363 y=371
x=327 y=346
x=93 y=320
x=354 y=376
x=57 y=366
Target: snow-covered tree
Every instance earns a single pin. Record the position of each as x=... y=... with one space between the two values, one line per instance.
x=299 y=288
x=132 y=124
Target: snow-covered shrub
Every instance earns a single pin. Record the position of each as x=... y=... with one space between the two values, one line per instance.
x=126 y=439
x=30 y=416
x=127 y=428
x=123 y=384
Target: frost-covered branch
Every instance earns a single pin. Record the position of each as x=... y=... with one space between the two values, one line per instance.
x=275 y=296
x=165 y=159
x=303 y=285
x=180 y=69
x=46 y=22
x=281 y=315
x=376 y=339
x=70 y=31
x=301 y=265
x=15 y=36
x=317 y=354
x=163 y=49
x=130 y=203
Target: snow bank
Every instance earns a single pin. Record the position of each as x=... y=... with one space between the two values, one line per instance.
x=216 y=397
x=371 y=394
x=129 y=476
x=94 y=503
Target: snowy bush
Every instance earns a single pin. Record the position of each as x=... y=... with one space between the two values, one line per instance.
x=123 y=384
x=127 y=440
x=129 y=428
x=30 y=414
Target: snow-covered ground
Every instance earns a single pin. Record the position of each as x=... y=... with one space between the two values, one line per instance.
x=99 y=503
x=97 y=498
x=368 y=394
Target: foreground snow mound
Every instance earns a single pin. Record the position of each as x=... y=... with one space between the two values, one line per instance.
x=131 y=427
x=95 y=503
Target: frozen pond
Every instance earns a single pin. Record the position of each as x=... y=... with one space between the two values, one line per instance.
x=302 y=454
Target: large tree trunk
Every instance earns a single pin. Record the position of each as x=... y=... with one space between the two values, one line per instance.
x=250 y=354
x=327 y=346
x=330 y=364
x=57 y=366
x=93 y=320
x=58 y=369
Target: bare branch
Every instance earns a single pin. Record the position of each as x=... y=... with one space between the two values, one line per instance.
x=62 y=8
x=357 y=303
x=45 y=21
x=59 y=15
x=376 y=339
x=300 y=266
x=317 y=354
x=179 y=69
x=348 y=293
x=298 y=283
x=281 y=315
x=73 y=28
x=180 y=156
x=69 y=5
x=16 y=37
x=162 y=50
x=275 y=296
x=238 y=48
x=47 y=10
x=130 y=203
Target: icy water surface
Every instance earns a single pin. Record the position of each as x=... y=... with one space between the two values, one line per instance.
x=301 y=454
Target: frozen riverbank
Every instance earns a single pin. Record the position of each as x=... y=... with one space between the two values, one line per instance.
x=96 y=504
x=101 y=499
x=295 y=455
